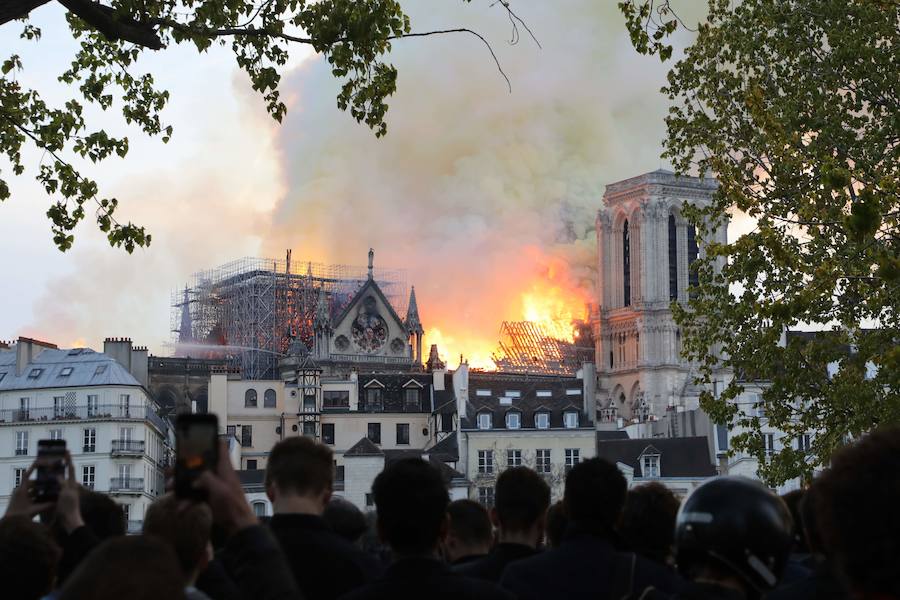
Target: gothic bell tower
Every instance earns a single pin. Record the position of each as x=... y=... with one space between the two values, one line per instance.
x=645 y=247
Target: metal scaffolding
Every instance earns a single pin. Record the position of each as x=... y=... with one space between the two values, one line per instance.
x=524 y=347
x=247 y=311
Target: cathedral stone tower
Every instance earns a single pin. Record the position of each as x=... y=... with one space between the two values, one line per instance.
x=644 y=248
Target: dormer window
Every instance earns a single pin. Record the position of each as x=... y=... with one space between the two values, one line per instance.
x=412 y=401
x=513 y=420
x=513 y=394
x=374 y=399
x=65 y=372
x=542 y=420
x=484 y=420
x=650 y=466
x=570 y=419
x=101 y=369
x=35 y=373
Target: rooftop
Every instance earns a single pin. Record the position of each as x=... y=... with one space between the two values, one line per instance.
x=57 y=368
x=678 y=457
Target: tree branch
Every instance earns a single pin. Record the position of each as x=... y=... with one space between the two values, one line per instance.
x=10 y=10
x=114 y=27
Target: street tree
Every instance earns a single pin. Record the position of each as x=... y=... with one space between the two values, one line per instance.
x=354 y=36
x=794 y=106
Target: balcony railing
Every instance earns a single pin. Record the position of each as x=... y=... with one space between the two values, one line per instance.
x=126 y=484
x=81 y=412
x=394 y=360
x=127 y=447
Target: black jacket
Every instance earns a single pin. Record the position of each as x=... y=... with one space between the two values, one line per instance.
x=427 y=578
x=490 y=567
x=256 y=564
x=586 y=566
x=691 y=591
x=820 y=584
x=324 y=564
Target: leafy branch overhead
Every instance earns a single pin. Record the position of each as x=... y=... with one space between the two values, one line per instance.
x=353 y=35
x=795 y=106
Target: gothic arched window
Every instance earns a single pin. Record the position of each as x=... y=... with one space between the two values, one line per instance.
x=250 y=399
x=673 y=259
x=693 y=278
x=626 y=264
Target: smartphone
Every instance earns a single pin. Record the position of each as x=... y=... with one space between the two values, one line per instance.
x=196 y=450
x=50 y=470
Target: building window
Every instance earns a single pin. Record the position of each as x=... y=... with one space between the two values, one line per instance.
x=573 y=456
x=650 y=466
x=484 y=393
x=486 y=496
x=513 y=419
x=18 y=475
x=59 y=406
x=370 y=501
x=374 y=433
x=484 y=420
x=513 y=393
x=336 y=399
x=373 y=399
x=412 y=399
x=24 y=409
x=542 y=420
x=100 y=370
x=125 y=405
x=768 y=443
x=250 y=399
x=513 y=458
x=309 y=428
x=247 y=436
x=56 y=434
x=251 y=464
x=309 y=403
x=803 y=443
x=626 y=264
x=446 y=422
x=485 y=461
x=21 y=443
x=570 y=419
x=88 y=473
x=269 y=398
x=403 y=434
x=328 y=433
x=231 y=431
x=126 y=510
x=66 y=371
x=543 y=461
x=673 y=259
x=693 y=277
x=35 y=373
x=93 y=405
x=259 y=509
x=90 y=439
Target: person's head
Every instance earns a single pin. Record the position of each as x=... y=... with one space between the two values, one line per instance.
x=28 y=558
x=133 y=567
x=345 y=519
x=300 y=475
x=470 y=532
x=856 y=511
x=735 y=532
x=411 y=505
x=648 y=521
x=102 y=515
x=792 y=500
x=595 y=494
x=186 y=528
x=557 y=522
x=521 y=499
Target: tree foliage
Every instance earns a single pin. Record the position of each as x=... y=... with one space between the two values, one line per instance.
x=353 y=35
x=794 y=105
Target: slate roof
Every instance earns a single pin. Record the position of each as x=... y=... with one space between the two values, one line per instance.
x=364 y=447
x=447 y=449
x=393 y=396
x=85 y=364
x=678 y=457
x=617 y=434
x=528 y=403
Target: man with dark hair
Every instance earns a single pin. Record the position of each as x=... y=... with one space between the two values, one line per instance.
x=586 y=564
x=411 y=502
x=299 y=478
x=28 y=558
x=521 y=499
x=557 y=523
x=648 y=521
x=856 y=510
x=187 y=530
x=470 y=535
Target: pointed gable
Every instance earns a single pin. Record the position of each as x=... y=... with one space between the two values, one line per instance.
x=370 y=326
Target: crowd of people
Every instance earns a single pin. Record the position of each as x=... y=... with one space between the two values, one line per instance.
x=731 y=538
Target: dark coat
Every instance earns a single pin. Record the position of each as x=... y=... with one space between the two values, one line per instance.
x=490 y=567
x=324 y=564
x=427 y=578
x=692 y=591
x=820 y=584
x=256 y=564
x=585 y=566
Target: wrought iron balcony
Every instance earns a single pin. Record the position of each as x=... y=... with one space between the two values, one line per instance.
x=81 y=412
x=127 y=485
x=127 y=447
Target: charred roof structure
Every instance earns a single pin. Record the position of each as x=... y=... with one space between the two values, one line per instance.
x=526 y=348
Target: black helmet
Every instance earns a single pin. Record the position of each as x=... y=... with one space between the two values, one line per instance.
x=738 y=525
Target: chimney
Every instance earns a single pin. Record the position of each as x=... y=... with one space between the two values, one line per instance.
x=461 y=388
x=588 y=391
x=27 y=349
x=4 y=345
x=140 y=364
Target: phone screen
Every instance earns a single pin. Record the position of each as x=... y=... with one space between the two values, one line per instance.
x=50 y=470
x=196 y=449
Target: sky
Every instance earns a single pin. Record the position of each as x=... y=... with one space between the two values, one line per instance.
x=485 y=196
